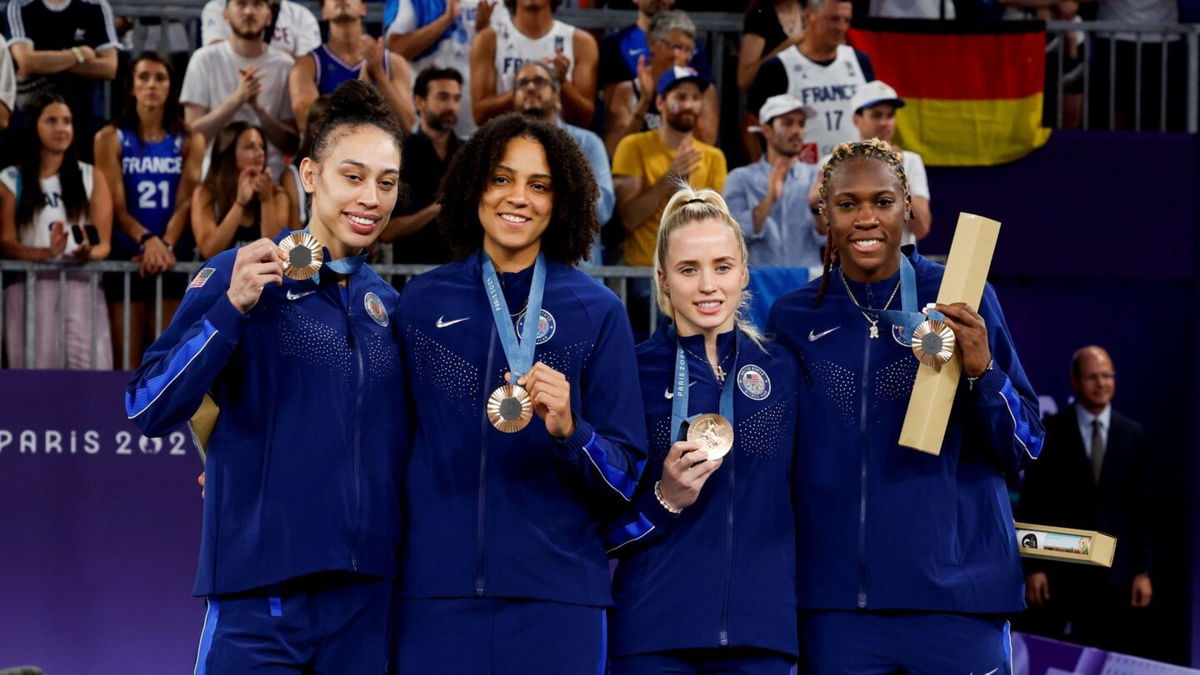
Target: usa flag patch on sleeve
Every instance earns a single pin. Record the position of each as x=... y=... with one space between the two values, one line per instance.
x=201 y=277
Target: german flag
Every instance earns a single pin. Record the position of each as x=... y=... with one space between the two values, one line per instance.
x=972 y=91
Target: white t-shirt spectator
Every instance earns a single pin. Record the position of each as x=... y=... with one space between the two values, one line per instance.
x=296 y=29
x=37 y=232
x=452 y=50
x=8 y=77
x=212 y=75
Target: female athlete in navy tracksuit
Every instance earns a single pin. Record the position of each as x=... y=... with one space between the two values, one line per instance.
x=301 y=515
x=504 y=568
x=908 y=561
x=706 y=578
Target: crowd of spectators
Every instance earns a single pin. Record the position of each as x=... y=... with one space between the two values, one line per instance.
x=200 y=153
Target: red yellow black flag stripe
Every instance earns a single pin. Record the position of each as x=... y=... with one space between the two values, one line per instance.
x=973 y=92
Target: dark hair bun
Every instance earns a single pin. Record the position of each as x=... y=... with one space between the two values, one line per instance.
x=353 y=103
x=355 y=99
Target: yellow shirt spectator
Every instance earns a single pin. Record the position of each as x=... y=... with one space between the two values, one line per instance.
x=646 y=157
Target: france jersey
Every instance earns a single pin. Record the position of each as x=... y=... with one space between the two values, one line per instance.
x=151 y=172
x=331 y=71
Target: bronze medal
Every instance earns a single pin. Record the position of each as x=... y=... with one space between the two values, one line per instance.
x=302 y=255
x=509 y=408
x=714 y=433
x=933 y=343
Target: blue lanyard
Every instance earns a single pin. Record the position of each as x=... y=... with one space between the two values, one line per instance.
x=518 y=352
x=343 y=266
x=908 y=317
x=679 y=400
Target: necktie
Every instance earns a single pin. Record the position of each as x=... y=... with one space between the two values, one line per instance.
x=1097 y=449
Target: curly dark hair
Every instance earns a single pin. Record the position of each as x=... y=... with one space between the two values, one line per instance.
x=573 y=224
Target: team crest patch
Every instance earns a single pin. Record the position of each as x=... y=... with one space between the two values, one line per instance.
x=375 y=309
x=546 y=326
x=201 y=277
x=901 y=336
x=753 y=382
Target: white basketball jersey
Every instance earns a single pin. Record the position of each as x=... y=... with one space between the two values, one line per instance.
x=513 y=49
x=828 y=89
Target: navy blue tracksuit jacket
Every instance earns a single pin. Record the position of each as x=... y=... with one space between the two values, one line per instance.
x=887 y=527
x=491 y=514
x=303 y=463
x=722 y=573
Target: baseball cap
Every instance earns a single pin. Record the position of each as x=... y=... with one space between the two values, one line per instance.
x=874 y=93
x=781 y=104
x=680 y=74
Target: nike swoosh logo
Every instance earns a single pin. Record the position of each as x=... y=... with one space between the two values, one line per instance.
x=813 y=336
x=669 y=394
x=293 y=295
x=442 y=323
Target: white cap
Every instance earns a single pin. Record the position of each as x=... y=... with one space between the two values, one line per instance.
x=781 y=104
x=873 y=93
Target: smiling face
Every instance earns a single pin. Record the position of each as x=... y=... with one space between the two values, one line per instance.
x=703 y=275
x=517 y=203
x=54 y=128
x=866 y=208
x=354 y=187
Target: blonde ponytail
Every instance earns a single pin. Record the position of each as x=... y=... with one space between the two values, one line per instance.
x=689 y=205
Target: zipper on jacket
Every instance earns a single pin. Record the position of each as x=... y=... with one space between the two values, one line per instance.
x=480 y=584
x=723 y=637
x=352 y=341
x=862 y=479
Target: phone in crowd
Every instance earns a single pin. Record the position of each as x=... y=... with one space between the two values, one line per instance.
x=87 y=233
x=558 y=43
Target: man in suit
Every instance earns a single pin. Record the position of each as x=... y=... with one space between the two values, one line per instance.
x=1093 y=475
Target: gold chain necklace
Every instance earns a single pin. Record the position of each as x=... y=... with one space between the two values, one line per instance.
x=717 y=369
x=874 y=331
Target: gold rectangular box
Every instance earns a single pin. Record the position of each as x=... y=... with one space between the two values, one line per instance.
x=934 y=388
x=1063 y=543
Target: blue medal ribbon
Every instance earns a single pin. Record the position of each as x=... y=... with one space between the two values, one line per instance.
x=679 y=400
x=343 y=266
x=908 y=317
x=518 y=352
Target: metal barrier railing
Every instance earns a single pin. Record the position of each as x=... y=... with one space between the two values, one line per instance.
x=30 y=275
x=1114 y=93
